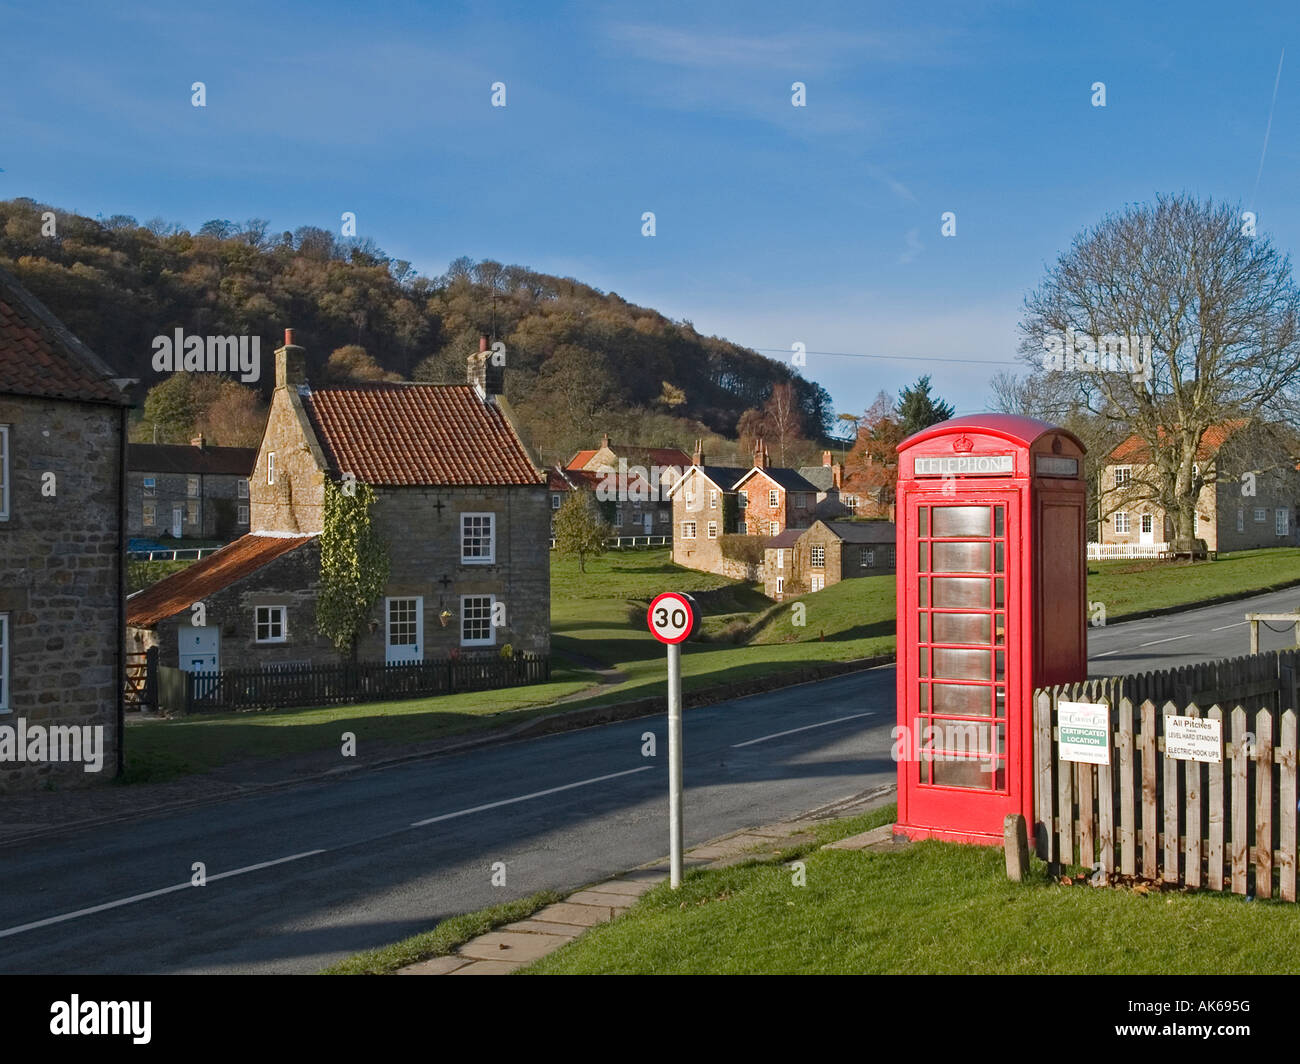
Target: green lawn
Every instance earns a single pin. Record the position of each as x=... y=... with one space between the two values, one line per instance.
x=936 y=908
x=1133 y=587
x=598 y=620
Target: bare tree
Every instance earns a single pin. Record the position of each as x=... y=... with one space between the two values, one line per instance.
x=783 y=417
x=1165 y=321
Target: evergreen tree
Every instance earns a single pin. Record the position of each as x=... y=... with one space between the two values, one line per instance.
x=918 y=409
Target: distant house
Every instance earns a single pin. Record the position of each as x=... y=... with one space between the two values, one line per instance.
x=629 y=505
x=828 y=479
x=704 y=508
x=62 y=542
x=771 y=499
x=635 y=480
x=1251 y=500
x=831 y=551
x=195 y=492
x=779 y=578
x=460 y=503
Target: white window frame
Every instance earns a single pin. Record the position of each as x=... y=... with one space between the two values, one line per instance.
x=817 y=557
x=773 y=498
x=1241 y=519
x=4 y=663
x=1146 y=524
x=850 y=502
x=780 y=585
x=491 y=556
x=742 y=500
x=192 y=512
x=618 y=517
x=867 y=558
x=713 y=498
x=270 y=467
x=241 y=517
x=5 y=467
x=688 y=530
x=893 y=551
x=712 y=530
x=148 y=513
x=774 y=528
x=743 y=527
x=555 y=500
x=1127 y=477
x=816 y=582
x=1261 y=515
x=780 y=559
x=1121 y=523
x=149 y=487
x=241 y=488
x=491 y=639
x=269 y=624
x=192 y=487
x=1282 y=521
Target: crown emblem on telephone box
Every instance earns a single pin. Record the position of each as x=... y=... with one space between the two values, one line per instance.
x=963 y=444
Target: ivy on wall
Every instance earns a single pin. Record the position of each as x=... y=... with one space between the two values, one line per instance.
x=353 y=566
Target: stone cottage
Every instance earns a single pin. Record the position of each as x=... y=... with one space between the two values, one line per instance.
x=197 y=491
x=461 y=505
x=62 y=551
x=831 y=551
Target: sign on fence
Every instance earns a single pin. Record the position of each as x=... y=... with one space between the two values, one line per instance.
x=1194 y=739
x=1084 y=732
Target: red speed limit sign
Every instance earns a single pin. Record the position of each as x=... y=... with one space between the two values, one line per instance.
x=672 y=617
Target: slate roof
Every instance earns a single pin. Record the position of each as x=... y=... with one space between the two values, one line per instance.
x=232 y=562
x=789 y=479
x=788 y=538
x=822 y=477
x=175 y=458
x=864 y=531
x=404 y=434
x=40 y=357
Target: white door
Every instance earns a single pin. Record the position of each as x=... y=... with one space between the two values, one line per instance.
x=178 y=521
x=649 y=520
x=200 y=648
x=405 y=642
x=1146 y=528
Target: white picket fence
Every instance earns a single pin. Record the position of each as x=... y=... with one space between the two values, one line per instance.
x=1103 y=552
x=621 y=542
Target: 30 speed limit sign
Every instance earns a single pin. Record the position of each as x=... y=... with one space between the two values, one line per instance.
x=672 y=617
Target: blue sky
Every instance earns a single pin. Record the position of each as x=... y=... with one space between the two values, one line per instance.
x=775 y=224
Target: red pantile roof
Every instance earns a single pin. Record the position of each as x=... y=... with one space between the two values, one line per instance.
x=412 y=434
x=232 y=562
x=40 y=357
x=660 y=456
x=1134 y=449
x=581 y=459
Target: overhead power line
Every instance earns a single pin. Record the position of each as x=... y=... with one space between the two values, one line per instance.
x=897 y=358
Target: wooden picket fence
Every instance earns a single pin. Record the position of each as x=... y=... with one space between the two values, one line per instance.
x=1225 y=826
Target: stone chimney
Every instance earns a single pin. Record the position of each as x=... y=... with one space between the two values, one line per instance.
x=198 y=442
x=760 y=455
x=487 y=379
x=290 y=363
x=697 y=457
x=604 y=439
x=837 y=474
x=826 y=458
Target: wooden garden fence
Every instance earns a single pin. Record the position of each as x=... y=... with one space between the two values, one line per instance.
x=1229 y=825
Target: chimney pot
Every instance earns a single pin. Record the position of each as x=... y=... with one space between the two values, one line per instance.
x=482 y=342
x=290 y=363
x=288 y=337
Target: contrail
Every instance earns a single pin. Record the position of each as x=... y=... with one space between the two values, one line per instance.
x=1277 y=81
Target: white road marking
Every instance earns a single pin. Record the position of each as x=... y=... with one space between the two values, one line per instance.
x=187 y=885
x=1237 y=625
x=1169 y=640
x=527 y=797
x=1107 y=654
x=777 y=735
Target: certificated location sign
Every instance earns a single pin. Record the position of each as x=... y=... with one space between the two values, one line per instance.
x=1194 y=739
x=1084 y=730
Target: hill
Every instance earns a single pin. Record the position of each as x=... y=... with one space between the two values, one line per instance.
x=579 y=360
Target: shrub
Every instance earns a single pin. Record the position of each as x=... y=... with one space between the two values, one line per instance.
x=747 y=549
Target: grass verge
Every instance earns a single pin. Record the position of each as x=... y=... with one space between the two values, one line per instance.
x=933 y=908
x=451 y=933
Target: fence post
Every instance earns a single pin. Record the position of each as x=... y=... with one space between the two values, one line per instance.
x=1149 y=841
x=1263 y=804
x=1171 y=806
x=1240 y=761
x=1214 y=852
x=1286 y=761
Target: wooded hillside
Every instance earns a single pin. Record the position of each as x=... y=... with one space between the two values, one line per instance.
x=579 y=361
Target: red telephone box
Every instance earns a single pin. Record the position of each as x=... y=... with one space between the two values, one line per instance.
x=991 y=603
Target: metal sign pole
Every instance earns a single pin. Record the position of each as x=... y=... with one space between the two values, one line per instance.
x=675 y=763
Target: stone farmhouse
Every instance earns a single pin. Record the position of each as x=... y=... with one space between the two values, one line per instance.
x=460 y=503
x=630 y=504
x=798 y=562
x=62 y=550
x=188 y=492
x=1251 y=500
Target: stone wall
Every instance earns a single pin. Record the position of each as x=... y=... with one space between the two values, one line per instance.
x=216 y=493
x=61 y=565
x=705 y=507
x=295 y=502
